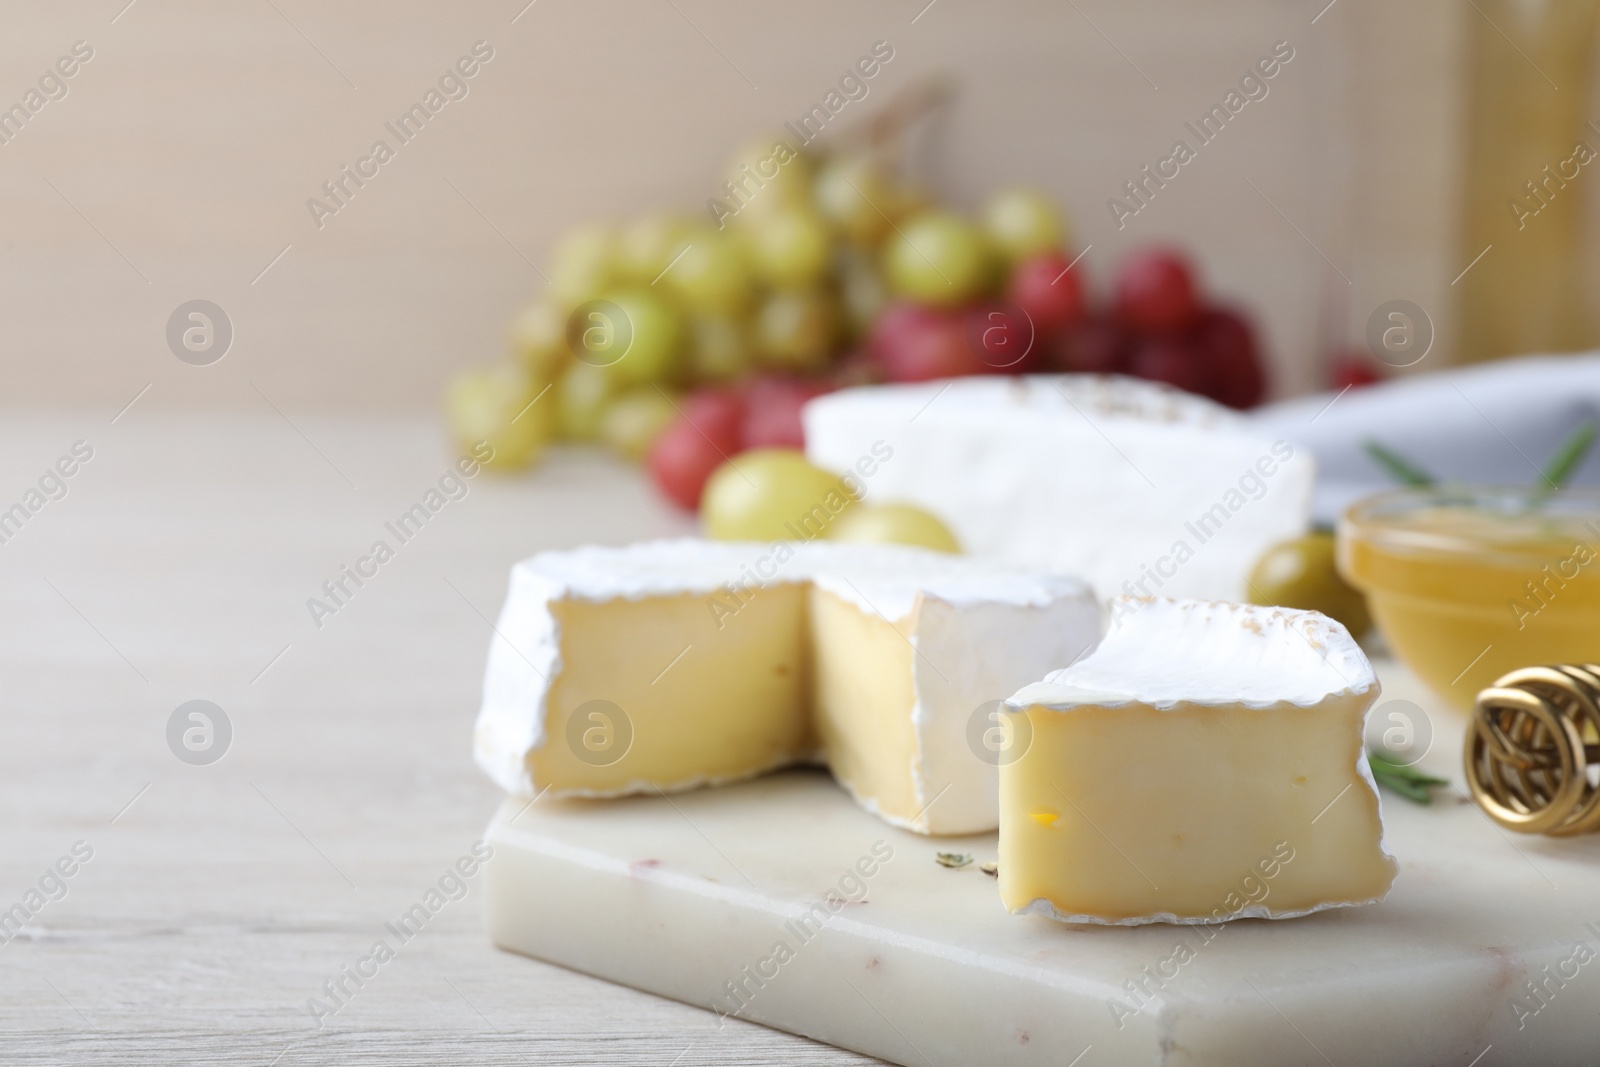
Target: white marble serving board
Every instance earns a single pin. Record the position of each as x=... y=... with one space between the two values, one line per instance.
x=683 y=895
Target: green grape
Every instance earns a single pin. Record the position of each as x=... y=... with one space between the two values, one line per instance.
x=719 y=348
x=897 y=524
x=1300 y=573
x=635 y=334
x=797 y=330
x=1021 y=223
x=635 y=419
x=583 y=264
x=539 y=340
x=767 y=175
x=771 y=494
x=711 y=275
x=863 y=291
x=499 y=406
x=646 y=246
x=938 y=258
x=788 y=249
x=854 y=195
x=581 y=395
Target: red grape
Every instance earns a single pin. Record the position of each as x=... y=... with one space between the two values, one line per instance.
x=718 y=413
x=895 y=324
x=1228 y=351
x=772 y=411
x=1051 y=294
x=1155 y=292
x=1353 y=368
x=681 y=460
x=1096 y=345
x=1174 y=360
x=1003 y=337
x=918 y=344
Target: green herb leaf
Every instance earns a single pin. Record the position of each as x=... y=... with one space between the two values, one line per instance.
x=1403 y=778
x=1401 y=469
x=952 y=859
x=1560 y=468
x=1568 y=457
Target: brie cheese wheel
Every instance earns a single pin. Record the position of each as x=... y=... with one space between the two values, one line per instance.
x=1139 y=488
x=1205 y=762
x=668 y=665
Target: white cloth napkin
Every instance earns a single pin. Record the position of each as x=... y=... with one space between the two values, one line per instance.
x=1495 y=423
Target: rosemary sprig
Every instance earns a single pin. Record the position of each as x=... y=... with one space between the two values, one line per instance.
x=1558 y=470
x=1401 y=469
x=1403 y=778
x=1567 y=458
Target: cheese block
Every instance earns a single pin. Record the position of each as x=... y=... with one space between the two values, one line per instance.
x=669 y=665
x=1139 y=488
x=1203 y=763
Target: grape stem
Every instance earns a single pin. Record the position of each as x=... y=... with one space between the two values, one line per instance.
x=884 y=130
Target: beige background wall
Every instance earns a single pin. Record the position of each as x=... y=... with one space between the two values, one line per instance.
x=179 y=164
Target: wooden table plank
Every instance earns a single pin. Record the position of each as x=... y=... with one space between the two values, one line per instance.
x=222 y=897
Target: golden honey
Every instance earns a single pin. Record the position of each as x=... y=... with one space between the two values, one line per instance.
x=1467 y=584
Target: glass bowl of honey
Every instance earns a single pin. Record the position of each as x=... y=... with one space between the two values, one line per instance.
x=1468 y=583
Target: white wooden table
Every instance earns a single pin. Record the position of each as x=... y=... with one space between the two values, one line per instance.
x=220 y=898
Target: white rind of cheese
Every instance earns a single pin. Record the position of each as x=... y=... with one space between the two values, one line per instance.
x=1163 y=652
x=977 y=630
x=1104 y=477
x=965 y=650
x=1169 y=654
x=1043 y=907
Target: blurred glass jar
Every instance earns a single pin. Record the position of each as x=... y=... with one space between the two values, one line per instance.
x=1529 y=144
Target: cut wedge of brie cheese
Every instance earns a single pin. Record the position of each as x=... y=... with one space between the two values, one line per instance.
x=668 y=665
x=1142 y=489
x=1203 y=763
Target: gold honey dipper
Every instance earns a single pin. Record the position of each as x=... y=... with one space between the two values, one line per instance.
x=1533 y=750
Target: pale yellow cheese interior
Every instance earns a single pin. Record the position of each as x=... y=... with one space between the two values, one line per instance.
x=703 y=703
x=862 y=700
x=795 y=670
x=1117 y=813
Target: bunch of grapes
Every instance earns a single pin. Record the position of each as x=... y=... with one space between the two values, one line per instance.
x=684 y=342
x=728 y=322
